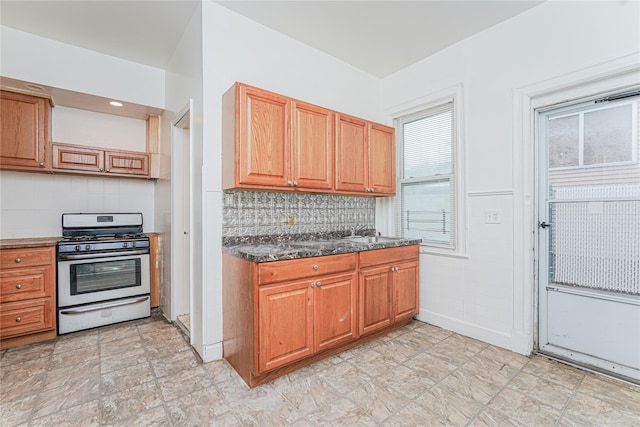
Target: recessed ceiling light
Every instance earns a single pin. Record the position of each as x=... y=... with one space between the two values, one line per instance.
x=116 y=103
x=34 y=87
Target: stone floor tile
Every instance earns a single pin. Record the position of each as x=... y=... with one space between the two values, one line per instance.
x=548 y=392
x=377 y=401
x=83 y=415
x=129 y=404
x=603 y=412
x=491 y=418
x=228 y=419
x=162 y=348
x=176 y=362
x=608 y=388
x=457 y=349
x=80 y=361
x=197 y=408
x=126 y=378
x=271 y=410
x=117 y=333
x=80 y=342
x=154 y=417
x=219 y=370
x=68 y=395
x=342 y=412
x=430 y=366
x=405 y=381
x=344 y=377
x=71 y=377
x=554 y=371
x=397 y=351
x=414 y=415
x=237 y=393
x=448 y=406
x=122 y=360
x=122 y=345
x=16 y=412
x=184 y=382
x=20 y=384
x=524 y=409
x=470 y=387
x=18 y=355
x=308 y=394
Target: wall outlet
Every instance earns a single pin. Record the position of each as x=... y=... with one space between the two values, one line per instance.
x=492 y=216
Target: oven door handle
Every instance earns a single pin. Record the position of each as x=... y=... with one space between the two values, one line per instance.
x=102 y=255
x=103 y=306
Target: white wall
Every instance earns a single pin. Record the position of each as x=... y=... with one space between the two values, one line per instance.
x=31 y=203
x=238 y=49
x=483 y=294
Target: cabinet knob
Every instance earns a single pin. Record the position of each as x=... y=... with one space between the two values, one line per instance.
x=108 y=170
x=19 y=286
x=41 y=164
x=315 y=267
x=18 y=319
x=295 y=183
x=101 y=169
x=18 y=260
x=318 y=284
x=313 y=284
x=289 y=183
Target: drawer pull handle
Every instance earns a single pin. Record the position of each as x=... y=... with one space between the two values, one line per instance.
x=18 y=260
x=18 y=319
x=315 y=267
x=19 y=286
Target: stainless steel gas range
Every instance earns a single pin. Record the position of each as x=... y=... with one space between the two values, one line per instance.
x=103 y=271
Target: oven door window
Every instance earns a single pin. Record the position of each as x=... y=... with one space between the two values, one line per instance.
x=105 y=275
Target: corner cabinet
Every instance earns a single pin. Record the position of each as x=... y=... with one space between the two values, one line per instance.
x=27 y=295
x=281 y=315
x=283 y=144
x=82 y=159
x=25 y=131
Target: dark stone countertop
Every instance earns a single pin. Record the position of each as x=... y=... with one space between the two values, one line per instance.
x=264 y=252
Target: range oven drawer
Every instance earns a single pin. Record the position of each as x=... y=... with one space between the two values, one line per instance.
x=103 y=313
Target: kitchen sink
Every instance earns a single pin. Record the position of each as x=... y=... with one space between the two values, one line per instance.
x=371 y=239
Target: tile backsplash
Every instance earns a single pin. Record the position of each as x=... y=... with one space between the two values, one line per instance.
x=253 y=213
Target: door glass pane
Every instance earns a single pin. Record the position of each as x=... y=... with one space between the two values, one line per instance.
x=105 y=275
x=426 y=211
x=564 y=141
x=608 y=135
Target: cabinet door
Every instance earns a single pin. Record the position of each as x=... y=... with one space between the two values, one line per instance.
x=285 y=323
x=382 y=171
x=406 y=291
x=312 y=146
x=72 y=157
x=24 y=131
x=352 y=158
x=335 y=310
x=129 y=163
x=264 y=138
x=375 y=294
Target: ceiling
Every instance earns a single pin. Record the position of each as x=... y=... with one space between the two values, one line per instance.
x=379 y=37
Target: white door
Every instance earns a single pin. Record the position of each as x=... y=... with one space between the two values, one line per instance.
x=589 y=234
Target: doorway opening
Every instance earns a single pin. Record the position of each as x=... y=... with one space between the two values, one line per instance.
x=588 y=216
x=181 y=282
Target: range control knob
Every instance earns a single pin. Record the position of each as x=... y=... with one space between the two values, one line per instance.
x=133 y=244
x=77 y=248
x=125 y=244
x=87 y=247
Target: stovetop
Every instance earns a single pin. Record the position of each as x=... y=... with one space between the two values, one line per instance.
x=94 y=238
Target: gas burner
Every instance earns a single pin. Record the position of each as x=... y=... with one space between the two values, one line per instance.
x=128 y=236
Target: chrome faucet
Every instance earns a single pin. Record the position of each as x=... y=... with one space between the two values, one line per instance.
x=357 y=229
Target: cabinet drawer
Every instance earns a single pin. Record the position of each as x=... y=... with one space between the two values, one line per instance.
x=389 y=255
x=22 y=284
x=18 y=258
x=20 y=318
x=277 y=271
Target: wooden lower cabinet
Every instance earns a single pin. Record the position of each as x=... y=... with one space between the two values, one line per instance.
x=27 y=295
x=282 y=315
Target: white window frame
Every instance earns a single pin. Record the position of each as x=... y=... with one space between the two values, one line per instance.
x=455 y=94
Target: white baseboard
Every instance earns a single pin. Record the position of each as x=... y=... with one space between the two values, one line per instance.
x=212 y=352
x=491 y=336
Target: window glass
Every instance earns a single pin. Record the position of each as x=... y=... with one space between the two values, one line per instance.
x=426 y=208
x=564 y=146
x=427 y=145
x=608 y=136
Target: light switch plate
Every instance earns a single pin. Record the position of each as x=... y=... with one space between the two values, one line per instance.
x=493 y=216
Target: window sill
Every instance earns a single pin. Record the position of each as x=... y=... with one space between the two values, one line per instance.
x=425 y=250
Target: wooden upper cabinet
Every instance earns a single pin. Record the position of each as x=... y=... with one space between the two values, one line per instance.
x=68 y=157
x=365 y=156
x=25 y=131
x=382 y=163
x=264 y=121
x=352 y=157
x=312 y=146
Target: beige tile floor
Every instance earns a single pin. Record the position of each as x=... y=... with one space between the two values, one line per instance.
x=144 y=373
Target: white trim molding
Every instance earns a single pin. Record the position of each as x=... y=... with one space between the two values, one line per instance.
x=595 y=81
